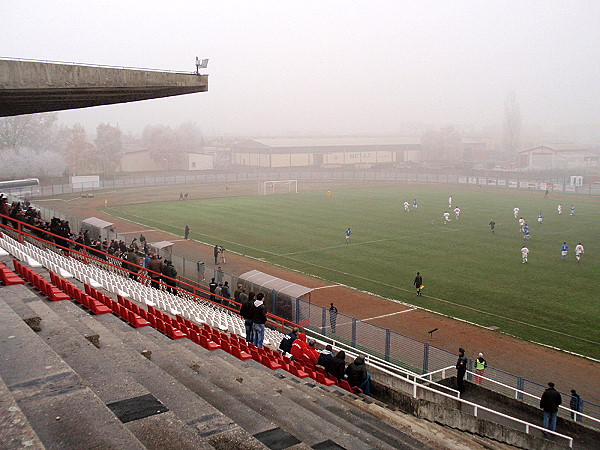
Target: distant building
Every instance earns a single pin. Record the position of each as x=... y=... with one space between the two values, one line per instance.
x=474 y=150
x=546 y=157
x=326 y=152
x=140 y=160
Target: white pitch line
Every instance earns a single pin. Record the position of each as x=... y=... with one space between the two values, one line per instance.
x=326 y=287
x=390 y=314
x=140 y=231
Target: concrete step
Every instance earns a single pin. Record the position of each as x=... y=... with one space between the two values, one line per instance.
x=60 y=408
x=260 y=399
x=105 y=372
x=118 y=364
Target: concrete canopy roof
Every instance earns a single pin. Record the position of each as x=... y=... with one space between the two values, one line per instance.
x=266 y=281
x=28 y=87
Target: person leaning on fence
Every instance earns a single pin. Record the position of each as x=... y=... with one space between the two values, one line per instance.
x=133 y=261
x=246 y=312
x=357 y=375
x=550 y=402
x=576 y=404
x=336 y=366
x=259 y=319
x=225 y=290
x=333 y=312
x=286 y=343
x=212 y=287
x=480 y=365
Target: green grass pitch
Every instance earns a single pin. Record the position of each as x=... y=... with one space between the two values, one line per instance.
x=468 y=272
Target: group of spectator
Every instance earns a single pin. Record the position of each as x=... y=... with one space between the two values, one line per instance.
x=296 y=346
x=254 y=313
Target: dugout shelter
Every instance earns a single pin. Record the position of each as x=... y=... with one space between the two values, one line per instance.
x=98 y=228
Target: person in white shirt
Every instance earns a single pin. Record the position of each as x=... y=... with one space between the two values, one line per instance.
x=516 y=211
x=406 y=205
x=446 y=217
x=450 y=202
x=578 y=251
x=559 y=209
x=524 y=253
x=457 y=212
x=521 y=224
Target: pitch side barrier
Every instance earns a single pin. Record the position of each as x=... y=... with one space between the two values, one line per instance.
x=410 y=353
x=116 y=265
x=501 y=181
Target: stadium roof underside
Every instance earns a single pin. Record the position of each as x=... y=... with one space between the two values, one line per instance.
x=28 y=87
x=266 y=281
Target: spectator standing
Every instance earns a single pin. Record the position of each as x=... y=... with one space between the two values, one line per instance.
x=219 y=275
x=480 y=365
x=461 y=369
x=216 y=254
x=170 y=276
x=333 y=312
x=237 y=292
x=550 y=402
x=247 y=301
x=336 y=366
x=212 y=287
x=133 y=261
x=259 y=318
x=201 y=270
x=288 y=340
x=225 y=290
x=186 y=232
x=87 y=240
x=142 y=239
x=155 y=267
x=576 y=404
x=358 y=375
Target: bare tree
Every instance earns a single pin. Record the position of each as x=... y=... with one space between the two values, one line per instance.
x=79 y=153
x=34 y=131
x=512 y=123
x=165 y=146
x=108 y=148
x=442 y=145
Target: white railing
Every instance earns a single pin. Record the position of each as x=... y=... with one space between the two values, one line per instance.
x=519 y=391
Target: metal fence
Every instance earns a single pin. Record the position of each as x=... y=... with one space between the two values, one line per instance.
x=404 y=351
x=506 y=181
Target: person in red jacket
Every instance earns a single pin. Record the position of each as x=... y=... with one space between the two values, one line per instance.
x=303 y=353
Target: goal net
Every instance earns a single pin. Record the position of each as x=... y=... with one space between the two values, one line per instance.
x=278 y=187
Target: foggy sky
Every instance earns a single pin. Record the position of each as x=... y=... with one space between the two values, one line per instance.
x=328 y=67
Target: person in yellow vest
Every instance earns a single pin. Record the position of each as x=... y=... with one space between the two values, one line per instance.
x=480 y=365
x=329 y=193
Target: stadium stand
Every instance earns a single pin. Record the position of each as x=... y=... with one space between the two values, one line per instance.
x=192 y=320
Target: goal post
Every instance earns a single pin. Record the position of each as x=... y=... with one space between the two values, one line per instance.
x=278 y=187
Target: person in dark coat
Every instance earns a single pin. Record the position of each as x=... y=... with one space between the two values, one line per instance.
x=286 y=343
x=212 y=287
x=259 y=319
x=461 y=370
x=549 y=403
x=576 y=404
x=247 y=301
x=336 y=366
x=325 y=355
x=418 y=283
x=357 y=375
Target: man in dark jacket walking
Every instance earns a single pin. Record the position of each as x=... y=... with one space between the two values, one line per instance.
x=259 y=318
x=550 y=402
x=357 y=375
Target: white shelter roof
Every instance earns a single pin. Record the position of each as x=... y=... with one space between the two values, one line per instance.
x=99 y=223
x=266 y=281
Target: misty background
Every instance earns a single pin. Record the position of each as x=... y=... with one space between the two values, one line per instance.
x=329 y=68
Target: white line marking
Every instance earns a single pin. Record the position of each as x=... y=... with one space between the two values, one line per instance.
x=135 y=232
x=386 y=315
x=326 y=287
